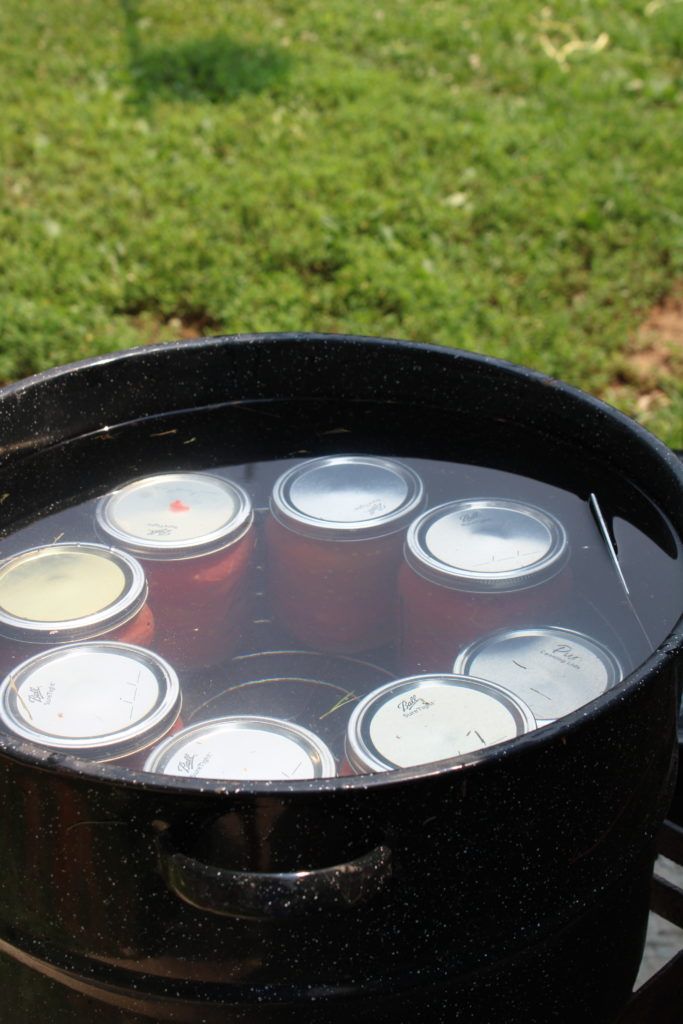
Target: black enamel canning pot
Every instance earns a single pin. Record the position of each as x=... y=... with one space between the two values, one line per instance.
x=507 y=885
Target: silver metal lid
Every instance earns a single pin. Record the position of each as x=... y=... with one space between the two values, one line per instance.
x=428 y=718
x=554 y=670
x=66 y=592
x=236 y=748
x=486 y=544
x=98 y=700
x=175 y=515
x=346 y=497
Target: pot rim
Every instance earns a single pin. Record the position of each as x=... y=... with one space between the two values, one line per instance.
x=120 y=776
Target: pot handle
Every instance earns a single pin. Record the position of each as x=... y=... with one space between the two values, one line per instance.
x=258 y=895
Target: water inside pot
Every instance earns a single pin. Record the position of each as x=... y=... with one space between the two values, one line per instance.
x=613 y=595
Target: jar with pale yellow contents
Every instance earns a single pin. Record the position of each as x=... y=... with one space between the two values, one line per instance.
x=64 y=593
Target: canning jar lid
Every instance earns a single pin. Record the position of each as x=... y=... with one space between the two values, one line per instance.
x=66 y=592
x=427 y=718
x=346 y=497
x=240 y=747
x=486 y=544
x=100 y=700
x=553 y=669
x=175 y=515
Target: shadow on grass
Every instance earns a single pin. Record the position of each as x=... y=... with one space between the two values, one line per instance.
x=215 y=68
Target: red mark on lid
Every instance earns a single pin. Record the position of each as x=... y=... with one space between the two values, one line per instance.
x=178 y=506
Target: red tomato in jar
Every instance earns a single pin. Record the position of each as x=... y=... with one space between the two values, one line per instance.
x=473 y=566
x=334 y=542
x=335 y=596
x=194 y=534
x=202 y=605
x=436 y=622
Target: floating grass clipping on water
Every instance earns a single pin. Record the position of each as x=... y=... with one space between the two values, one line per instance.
x=341 y=703
x=19 y=697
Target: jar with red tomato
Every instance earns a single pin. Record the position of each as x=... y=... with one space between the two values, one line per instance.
x=64 y=593
x=334 y=543
x=474 y=566
x=194 y=535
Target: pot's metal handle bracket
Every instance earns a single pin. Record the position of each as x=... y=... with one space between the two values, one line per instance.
x=259 y=895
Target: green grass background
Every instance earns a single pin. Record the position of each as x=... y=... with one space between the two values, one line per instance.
x=501 y=176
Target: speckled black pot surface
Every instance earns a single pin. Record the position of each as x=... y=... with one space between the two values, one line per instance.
x=510 y=885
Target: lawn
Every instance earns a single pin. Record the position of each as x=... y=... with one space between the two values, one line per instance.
x=503 y=177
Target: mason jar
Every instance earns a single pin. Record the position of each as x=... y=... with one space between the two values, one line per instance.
x=553 y=669
x=334 y=545
x=104 y=701
x=243 y=747
x=426 y=718
x=194 y=535
x=475 y=565
x=64 y=593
